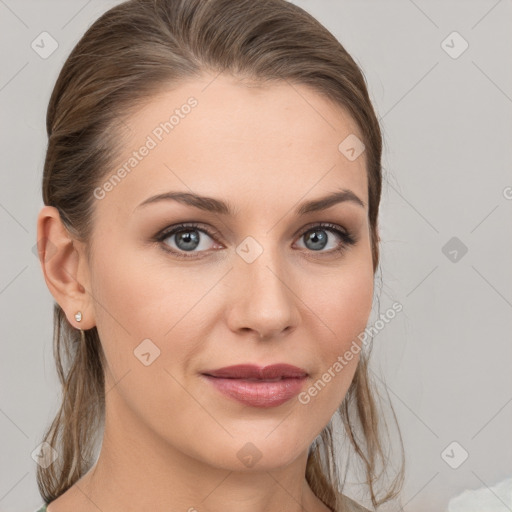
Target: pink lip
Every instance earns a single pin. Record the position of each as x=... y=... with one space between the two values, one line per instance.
x=251 y=371
x=256 y=386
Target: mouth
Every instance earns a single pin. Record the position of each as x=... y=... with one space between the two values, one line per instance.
x=251 y=380
x=270 y=386
x=269 y=373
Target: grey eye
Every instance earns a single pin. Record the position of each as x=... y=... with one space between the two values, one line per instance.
x=316 y=239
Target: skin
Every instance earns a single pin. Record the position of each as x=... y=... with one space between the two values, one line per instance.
x=169 y=435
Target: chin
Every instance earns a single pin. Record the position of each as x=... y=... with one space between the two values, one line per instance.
x=258 y=453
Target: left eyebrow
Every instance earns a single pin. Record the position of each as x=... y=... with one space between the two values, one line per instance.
x=211 y=204
x=326 y=202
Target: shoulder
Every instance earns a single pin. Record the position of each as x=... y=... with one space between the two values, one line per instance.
x=353 y=506
x=42 y=509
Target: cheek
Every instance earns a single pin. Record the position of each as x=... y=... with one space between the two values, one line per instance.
x=343 y=304
x=138 y=299
x=137 y=304
x=125 y=299
x=131 y=292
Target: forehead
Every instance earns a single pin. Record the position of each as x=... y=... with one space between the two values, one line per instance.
x=224 y=137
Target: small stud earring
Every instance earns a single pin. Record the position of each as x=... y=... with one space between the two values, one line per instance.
x=78 y=316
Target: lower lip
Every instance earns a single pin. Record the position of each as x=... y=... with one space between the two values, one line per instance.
x=258 y=393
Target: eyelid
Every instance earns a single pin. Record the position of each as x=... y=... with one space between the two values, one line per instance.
x=182 y=226
x=348 y=237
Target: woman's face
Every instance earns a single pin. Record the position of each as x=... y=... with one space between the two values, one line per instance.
x=260 y=285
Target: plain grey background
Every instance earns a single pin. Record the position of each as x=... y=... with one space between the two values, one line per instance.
x=446 y=214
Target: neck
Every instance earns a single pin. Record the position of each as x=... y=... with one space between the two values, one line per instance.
x=154 y=475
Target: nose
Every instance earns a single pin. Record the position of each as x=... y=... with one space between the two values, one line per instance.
x=264 y=299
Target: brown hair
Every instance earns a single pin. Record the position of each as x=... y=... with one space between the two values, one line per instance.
x=133 y=51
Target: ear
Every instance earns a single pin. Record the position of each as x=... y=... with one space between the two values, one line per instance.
x=65 y=267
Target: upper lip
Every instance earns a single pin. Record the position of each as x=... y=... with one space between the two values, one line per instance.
x=250 y=371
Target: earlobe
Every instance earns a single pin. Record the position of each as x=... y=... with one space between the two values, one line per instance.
x=64 y=267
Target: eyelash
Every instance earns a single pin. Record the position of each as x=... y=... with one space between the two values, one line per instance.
x=347 y=238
